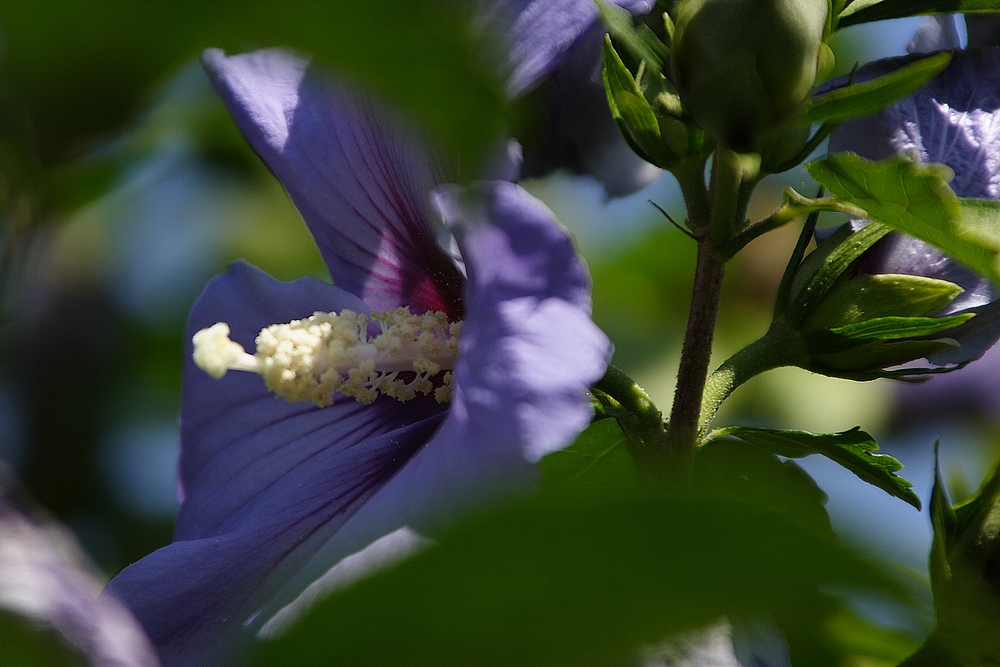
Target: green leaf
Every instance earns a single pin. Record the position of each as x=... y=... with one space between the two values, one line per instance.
x=598 y=462
x=668 y=29
x=964 y=569
x=843 y=357
x=944 y=522
x=915 y=198
x=863 y=360
x=853 y=449
x=864 y=11
x=628 y=105
x=980 y=515
x=851 y=6
x=653 y=133
x=581 y=586
x=641 y=41
x=889 y=328
x=861 y=99
x=821 y=269
x=732 y=470
x=980 y=221
x=860 y=636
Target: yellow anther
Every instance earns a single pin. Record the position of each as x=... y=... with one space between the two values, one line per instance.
x=443 y=393
x=216 y=354
x=328 y=353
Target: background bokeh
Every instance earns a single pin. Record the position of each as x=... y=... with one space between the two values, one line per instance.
x=124 y=187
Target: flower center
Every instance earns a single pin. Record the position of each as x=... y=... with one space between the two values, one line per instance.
x=314 y=358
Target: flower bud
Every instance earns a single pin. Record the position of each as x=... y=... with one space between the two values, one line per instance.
x=870 y=323
x=744 y=67
x=778 y=150
x=965 y=573
x=857 y=325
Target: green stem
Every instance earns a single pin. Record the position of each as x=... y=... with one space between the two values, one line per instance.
x=631 y=397
x=727 y=178
x=766 y=353
x=731 y=172
x=696 y=355
x=734 y=178
x=759 y=228
x=643 y=422
x=691 y=178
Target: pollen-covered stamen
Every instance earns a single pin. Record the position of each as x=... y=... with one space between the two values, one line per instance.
x=314 y=358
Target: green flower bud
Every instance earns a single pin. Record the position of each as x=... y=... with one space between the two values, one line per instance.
x=965 y=573
x=744 y=67
x=859 y=326
x=870 y=323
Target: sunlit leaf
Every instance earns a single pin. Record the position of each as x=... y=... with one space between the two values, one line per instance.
x=628 y=106
x=858 y=635
x=866 y=297
x=821 y=270
x=915 y=198
x=888 y=328
x=861 y=99
x=944 y=522
x=853 y=449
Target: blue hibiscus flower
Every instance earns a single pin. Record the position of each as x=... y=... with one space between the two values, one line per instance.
x=276 y=491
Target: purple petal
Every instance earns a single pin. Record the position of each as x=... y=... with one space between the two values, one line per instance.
x=267 y=484
x=505 y=164
x=975 y=336
x=954 y=120
x=529 y=352
x=529 y=349
x=45 y=578
x=359 y=175
x=554 y=46
x=540 y=32
x=970 y=391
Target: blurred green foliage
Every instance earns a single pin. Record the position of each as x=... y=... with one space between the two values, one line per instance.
x=576 y=578
x=75 y=70
x=26 y=644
